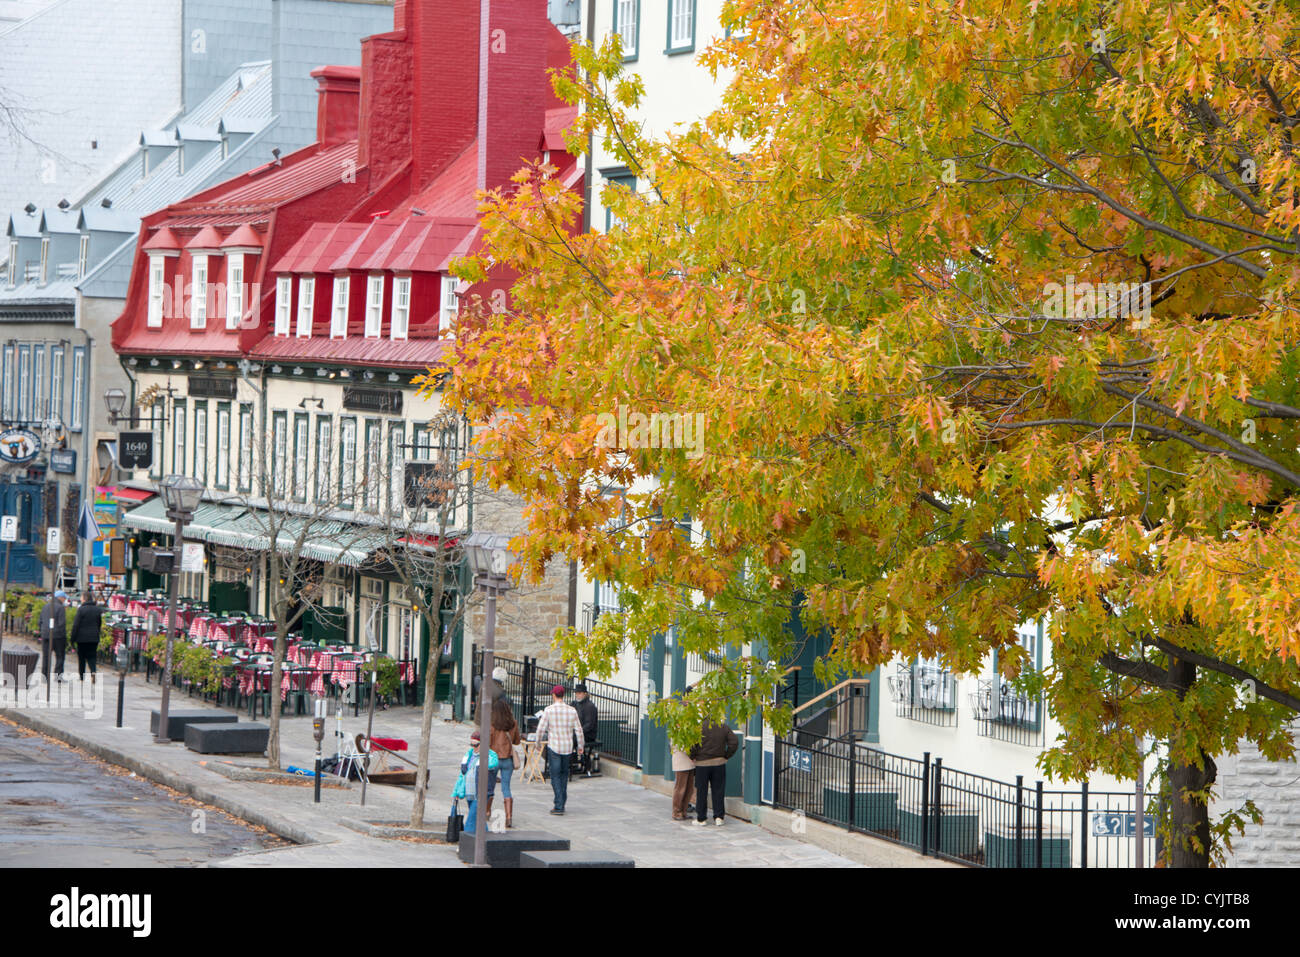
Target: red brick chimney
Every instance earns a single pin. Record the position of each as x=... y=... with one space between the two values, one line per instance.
x=338 y=103
x=445 y=81
x=518 y=89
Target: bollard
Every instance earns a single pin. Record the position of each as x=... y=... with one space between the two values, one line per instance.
x=318 y=732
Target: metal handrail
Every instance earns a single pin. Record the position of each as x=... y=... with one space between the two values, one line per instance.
x=842 y=684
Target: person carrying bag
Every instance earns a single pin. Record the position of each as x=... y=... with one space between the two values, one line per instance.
x=467 y=783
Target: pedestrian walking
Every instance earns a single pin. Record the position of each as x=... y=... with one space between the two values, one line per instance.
x=559 y=723
x=467 y=783
x=85 y=634
x=505 y=735
x=54 y=633
x=717 y=744
x=683 y=784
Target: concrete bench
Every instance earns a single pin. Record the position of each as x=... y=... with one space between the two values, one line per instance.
x=177 y=720
x=574 y=859
x=231 y=738
x=503 y=850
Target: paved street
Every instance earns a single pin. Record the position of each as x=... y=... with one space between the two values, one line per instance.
x=59 y=808
x=604 y=813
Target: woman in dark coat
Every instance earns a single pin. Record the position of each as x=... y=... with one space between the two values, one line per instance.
x=85 y=634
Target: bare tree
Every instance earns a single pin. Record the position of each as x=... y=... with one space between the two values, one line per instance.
x=301 y=525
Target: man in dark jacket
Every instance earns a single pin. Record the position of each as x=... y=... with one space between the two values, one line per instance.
x=54 y=634
x=85 y=634
x=717 y=744
x=586 y=709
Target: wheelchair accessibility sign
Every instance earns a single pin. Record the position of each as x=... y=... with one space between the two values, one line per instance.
x=1121 y=824
x=800 y=760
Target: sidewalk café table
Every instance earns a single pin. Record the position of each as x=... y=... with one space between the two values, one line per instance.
x=117 y=602
x=294 y=679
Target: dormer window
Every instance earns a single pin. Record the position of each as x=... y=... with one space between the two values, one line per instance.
x=234 y=289
x=13 y=263
x=283 y=303
x=339 y=314
x=401 y=307
x=199 y=292
x=374 y=305
x=82 y=255
x=45 y=259
x=157 y=289
x=450 y=307
x=306 y=300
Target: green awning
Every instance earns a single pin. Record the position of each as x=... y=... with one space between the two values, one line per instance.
x=240 y=526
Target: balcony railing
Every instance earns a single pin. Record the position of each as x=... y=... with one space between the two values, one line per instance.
x=925 y=693
x=1003 y=713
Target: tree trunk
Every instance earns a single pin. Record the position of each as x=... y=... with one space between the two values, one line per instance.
x=1189 y=817
x=426 y=726
x=277 y=670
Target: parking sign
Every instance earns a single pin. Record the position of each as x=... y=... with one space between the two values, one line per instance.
x=8 y=528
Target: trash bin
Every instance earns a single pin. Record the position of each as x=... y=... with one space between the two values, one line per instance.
x=19 y=664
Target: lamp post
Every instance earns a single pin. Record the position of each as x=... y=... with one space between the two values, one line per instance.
x=181 y=494
x=490 y=559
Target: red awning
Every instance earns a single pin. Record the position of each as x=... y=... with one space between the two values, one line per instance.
x=131 y=494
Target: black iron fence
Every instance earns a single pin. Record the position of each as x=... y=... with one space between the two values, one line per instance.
x=956 y=815
x=529 y=685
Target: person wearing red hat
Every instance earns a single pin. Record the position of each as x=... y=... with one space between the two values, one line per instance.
x=559 y=725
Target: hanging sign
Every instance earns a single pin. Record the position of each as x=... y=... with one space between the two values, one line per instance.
x=18 y=446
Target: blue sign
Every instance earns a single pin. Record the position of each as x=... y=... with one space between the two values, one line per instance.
x=64 y=460
x=1121 y=824
x=800 y=760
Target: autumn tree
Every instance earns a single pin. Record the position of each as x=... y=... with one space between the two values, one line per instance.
x=990 y=313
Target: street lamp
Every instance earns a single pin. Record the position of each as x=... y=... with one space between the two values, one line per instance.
x=490 y=559
x=181 y=494
x=115 y=401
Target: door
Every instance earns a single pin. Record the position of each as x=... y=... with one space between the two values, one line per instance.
x=23 y=499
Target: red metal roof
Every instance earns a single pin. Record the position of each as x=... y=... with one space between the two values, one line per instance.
x=245 y=235
x=163 y=239
x=416 y=353
x=207 y=238
x=451 y=194
x=319 y=246
x=130 y=494
x=175 y=338
x=558 y=120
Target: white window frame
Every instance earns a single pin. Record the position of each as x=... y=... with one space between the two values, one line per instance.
x=283 y=304
x=56 y=381
x=201 y=442
x=78 y=386
x=279 y=453
x=6 y=402
x=372 y=460
x=245 y=473
x=157 y=289
x=324 y=450
x=627 y=23
x=681 y=26
x=25 y=383
x=234 y=289
x=306 y=305
x=374 y=306
x=13 y=263
x=400 y=323
x=348 y=459
x=448 y=307
x=222 y=471
x=339 y=310
x=301 y=455
x=179 y=413
x=40 y=399
x=199 y=291
x=45 y=259
x=83 y=254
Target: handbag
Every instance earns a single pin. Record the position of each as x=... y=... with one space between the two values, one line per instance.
x=455 y=823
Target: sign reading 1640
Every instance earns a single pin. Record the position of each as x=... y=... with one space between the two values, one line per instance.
x=135 y=450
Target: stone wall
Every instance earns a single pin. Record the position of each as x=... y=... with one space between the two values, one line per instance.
x=1274 y=786
x=527 y=617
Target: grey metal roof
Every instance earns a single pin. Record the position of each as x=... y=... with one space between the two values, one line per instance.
x=111 y=276
x=198 y=132
x=98 y=219
x=23 y=226
x=57 y=220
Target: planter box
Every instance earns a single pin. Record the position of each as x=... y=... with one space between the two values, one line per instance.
x=960 y=833
x=872 y=810
x=565 y=859
x=1000 y=848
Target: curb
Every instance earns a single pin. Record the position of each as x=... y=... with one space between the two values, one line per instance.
x=395 y=829
x=277 y=825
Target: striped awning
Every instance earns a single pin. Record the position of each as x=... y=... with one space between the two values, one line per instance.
x=250 y=527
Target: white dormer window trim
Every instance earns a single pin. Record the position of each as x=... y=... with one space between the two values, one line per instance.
x=283 y=304
x=234 y=289
x=157 y=289
x=83 y=254
x=13 y=263
x=199 y=291
x=374 y=305
x=449 y=308
x=400 y=323
x=306 y=303
x=45 y=259
x=339 y=314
